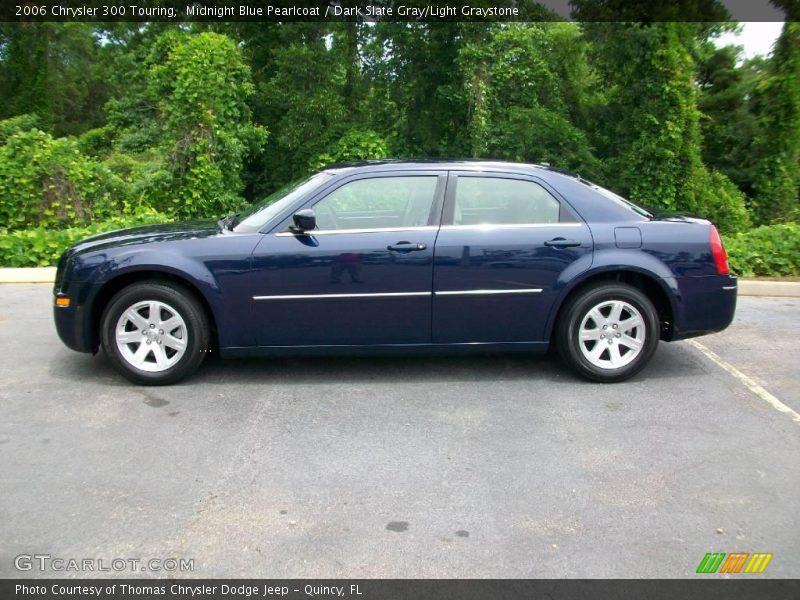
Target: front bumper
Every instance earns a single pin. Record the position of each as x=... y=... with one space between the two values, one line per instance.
x=74 y=322
x=704 y=305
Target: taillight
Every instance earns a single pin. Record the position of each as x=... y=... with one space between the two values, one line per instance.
x=718 y=252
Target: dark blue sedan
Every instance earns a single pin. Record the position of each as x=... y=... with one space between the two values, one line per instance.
x=388 y=256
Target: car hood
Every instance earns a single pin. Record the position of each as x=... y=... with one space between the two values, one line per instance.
x=147 y=234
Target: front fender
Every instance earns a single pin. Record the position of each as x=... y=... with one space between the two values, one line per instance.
x=221 y=281
x=178 y=265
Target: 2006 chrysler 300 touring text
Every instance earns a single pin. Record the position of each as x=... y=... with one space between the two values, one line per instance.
x=399 y=257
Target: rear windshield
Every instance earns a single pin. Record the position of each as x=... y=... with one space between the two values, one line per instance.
x=619 y=200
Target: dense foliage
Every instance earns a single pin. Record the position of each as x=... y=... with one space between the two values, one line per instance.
x=41 y=247
x=769 y=250
x=110 y=121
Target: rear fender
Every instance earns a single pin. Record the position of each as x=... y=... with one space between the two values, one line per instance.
x=613 y=260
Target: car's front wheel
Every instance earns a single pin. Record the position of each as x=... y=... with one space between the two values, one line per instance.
x=155 y=333
x=608 y=332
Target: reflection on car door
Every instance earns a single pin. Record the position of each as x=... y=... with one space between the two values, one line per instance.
x=504 y=245
x=363 y=277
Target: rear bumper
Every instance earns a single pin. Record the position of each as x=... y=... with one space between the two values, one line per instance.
x=704 y=305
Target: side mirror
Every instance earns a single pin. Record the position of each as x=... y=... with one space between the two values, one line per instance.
x=304 y=220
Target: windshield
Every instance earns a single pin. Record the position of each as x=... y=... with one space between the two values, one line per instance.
x=261 y=213
x=619 y=199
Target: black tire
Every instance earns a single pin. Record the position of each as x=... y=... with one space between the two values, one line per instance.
x=195 y=324
x=578 y=308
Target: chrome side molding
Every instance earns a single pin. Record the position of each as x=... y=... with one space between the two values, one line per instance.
x=487 y=292
x=329 y=296
x=398 y=294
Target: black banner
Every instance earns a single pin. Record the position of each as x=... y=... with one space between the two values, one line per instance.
x=397 y=589
x=396 y=10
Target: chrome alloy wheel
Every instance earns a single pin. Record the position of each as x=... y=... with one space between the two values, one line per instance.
x=612 y=334
x=151 y=336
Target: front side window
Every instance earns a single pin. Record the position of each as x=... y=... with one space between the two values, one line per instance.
x=277 y=202
x=497 y=201
x=378 y=203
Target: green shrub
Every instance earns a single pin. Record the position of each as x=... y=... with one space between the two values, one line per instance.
x=41 y=247
x=18 y=124
x=96 y=142
x=187 y=162
x=50 y=183
x=201 y=84
x=770 y=250
x=717 y=198
x=356 y=144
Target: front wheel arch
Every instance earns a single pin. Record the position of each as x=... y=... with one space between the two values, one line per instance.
x=158 y=348
x=123 y=280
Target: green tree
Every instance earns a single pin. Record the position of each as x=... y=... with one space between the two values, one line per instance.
x=304 y=103
x=523 y=94
x=355 y=145
x=777 y=177
x=200 y=84
x=53 y=70
x=649 y=129
x=49 y=182
x=418 y=91
x=728 y=124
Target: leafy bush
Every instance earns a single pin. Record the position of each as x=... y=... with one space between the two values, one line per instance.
x=16 y=125
x=201 y=84
x=188 y=163
x=770 y=250
x=717 y=198
x=356 y=144
x=96 y=142
x=41 y=247
x=47 y=182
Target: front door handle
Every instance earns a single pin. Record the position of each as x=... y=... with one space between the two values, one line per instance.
x=406 y=247
x=562 y=243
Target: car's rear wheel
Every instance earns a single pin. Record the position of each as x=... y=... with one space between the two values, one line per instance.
x=155 y=333
x=608 y=332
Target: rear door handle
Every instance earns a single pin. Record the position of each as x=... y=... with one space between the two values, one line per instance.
x=562 y=243
x=406 y=247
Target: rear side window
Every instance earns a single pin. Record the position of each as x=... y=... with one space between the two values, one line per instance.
x=497 y=201
x=378 y=203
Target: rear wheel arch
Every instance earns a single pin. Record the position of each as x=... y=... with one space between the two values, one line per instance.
x=608 y=331
x=648 y=283
x=113 y=286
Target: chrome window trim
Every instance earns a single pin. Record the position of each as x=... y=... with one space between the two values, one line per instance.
x=491 y=226
x=482 y=227
x=342 y=231
x=332 y=296
x=486 y=292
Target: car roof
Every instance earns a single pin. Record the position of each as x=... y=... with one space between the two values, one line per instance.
x=544 y=171
x=438 y=163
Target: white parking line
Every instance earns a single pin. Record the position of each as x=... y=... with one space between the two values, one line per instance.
x=748 y=381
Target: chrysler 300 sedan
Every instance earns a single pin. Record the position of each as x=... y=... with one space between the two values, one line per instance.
x=389 y=256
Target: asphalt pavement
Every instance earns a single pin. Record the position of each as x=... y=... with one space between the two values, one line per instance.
x=476 y=466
